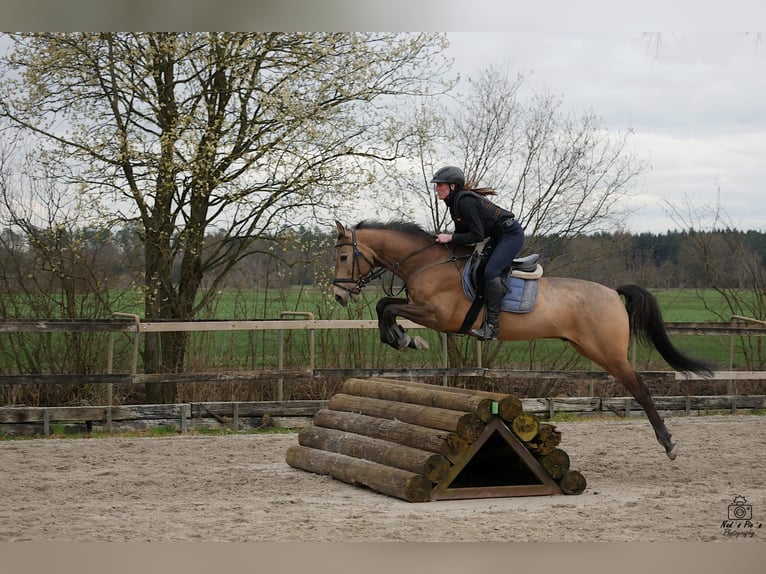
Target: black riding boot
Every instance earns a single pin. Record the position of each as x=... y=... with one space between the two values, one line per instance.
x=493 y=296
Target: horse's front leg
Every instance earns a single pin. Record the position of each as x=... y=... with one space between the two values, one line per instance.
x=391 y=333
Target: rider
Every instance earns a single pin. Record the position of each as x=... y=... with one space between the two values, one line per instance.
x=477 y=218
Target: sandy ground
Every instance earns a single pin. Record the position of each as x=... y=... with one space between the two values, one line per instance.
x=238 y=488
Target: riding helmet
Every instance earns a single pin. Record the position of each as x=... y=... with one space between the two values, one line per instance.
x=450 y=174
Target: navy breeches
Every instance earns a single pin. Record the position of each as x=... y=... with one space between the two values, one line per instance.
x=507 y=247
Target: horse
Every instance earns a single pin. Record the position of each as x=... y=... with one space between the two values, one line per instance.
x=589 y=316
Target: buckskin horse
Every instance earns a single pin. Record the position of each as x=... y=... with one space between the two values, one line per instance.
x=589 y=316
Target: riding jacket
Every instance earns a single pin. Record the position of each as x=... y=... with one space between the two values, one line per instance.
x=476 y=217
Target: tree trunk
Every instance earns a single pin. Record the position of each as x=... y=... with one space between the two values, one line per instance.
x=525 y=426
x=384 y=479
x=161 y=349
x=434 y=397
x=509 y=406
x=546 y=439
x=433 y=466
x=555 y=463
x=448 y=444
x=573 y=482
x=466 y=425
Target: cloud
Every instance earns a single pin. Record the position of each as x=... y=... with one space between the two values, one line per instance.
x=693 y=100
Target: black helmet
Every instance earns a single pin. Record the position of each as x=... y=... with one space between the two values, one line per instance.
x=450 y=174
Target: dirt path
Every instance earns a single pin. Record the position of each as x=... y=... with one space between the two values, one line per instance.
x=239 y=488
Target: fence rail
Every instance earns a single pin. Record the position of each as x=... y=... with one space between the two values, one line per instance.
x=128 y=323
x=184 y=417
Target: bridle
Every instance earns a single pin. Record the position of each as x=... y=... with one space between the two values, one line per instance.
x=375 y=271
x=356 y=269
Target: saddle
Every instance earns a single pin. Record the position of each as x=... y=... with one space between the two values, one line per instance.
x=520 y=281
x=522 y=267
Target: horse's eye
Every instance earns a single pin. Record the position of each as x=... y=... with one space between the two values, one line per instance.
x=344 y=257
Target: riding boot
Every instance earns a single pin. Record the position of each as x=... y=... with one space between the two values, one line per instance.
x=493 y=296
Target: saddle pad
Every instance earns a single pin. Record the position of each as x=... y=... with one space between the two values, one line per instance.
x=520 y=297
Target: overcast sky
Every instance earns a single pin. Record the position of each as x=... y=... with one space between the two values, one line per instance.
x=696 y=102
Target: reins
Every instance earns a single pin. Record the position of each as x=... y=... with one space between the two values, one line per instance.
x=377 y=271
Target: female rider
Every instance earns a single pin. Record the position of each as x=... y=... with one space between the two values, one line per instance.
x=477 y=218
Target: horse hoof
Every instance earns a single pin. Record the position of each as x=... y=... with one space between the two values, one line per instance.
x=418 y=343
x=673 y=452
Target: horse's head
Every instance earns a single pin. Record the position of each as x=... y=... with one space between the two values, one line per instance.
x=352 y=266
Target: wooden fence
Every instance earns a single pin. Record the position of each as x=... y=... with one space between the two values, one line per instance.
x=236 y=416
x=295 y=413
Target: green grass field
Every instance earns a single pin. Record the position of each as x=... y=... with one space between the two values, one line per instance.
x=363 y=349
x=333 y=349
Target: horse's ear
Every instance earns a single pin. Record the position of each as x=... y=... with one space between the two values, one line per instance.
x=340 y=228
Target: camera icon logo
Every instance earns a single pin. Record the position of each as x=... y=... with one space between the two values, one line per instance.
x=739 y=510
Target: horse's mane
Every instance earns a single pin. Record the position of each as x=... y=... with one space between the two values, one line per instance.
x=406 y=227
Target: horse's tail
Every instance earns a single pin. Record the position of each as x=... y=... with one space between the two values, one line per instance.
x=646 y=323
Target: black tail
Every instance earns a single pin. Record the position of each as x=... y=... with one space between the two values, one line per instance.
x=646 y=323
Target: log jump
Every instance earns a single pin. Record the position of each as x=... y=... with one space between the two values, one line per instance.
x=420 y=442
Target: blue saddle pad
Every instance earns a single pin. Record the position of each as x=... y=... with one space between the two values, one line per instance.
x=520 y=297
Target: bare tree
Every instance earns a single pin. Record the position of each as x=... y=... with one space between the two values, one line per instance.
x=182 y=132
x=562 y=175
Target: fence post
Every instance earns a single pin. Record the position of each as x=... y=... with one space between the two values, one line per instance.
x=478 y=354
x=137 y=321
x=308 y=316
x=185 y=417
x=109 y=370
x=445 y=358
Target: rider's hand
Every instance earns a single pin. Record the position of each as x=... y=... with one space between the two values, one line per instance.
x=443 y=238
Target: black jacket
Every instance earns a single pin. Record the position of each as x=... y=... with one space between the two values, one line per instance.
x=475 y=217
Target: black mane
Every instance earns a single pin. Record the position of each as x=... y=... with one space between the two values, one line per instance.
x=401 y=226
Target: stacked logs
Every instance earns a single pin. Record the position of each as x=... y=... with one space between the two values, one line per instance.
x=401 y=438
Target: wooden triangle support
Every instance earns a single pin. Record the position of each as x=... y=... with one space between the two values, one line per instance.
x=423 y=443
x=496 y=465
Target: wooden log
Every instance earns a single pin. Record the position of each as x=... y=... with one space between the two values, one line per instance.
x=434 y=397
x=380 y=478
x=433 y=466
x=525 y=426
x=466 y=425
x=555 y=463
x=509 y=405
x=573 y=482
x=546 y=439
x=448 y=444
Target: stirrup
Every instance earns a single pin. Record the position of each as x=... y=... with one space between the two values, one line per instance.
x=486 y=332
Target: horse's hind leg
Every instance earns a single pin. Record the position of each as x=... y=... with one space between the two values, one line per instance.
x=633 y=382
x=621 y=370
